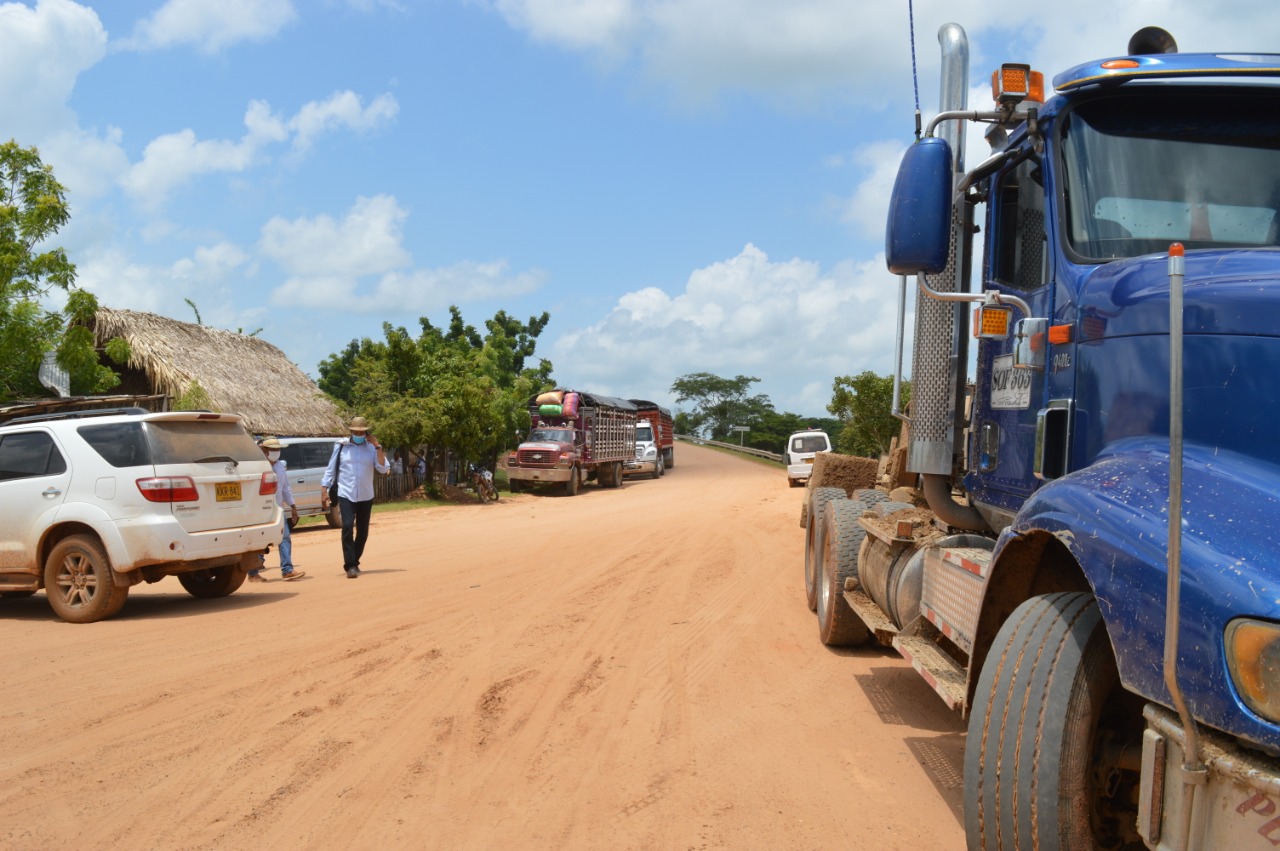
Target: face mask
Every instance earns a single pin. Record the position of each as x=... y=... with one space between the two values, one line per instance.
x=357 y=439
x=273 y=457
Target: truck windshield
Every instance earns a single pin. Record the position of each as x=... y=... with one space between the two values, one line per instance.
x=644 y=434
x=552 y=435
x=1201 y=169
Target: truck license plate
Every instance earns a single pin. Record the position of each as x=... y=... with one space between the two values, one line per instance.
x=227 y=491
x=808 y=460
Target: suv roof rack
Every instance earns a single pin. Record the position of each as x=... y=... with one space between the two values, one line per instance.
x=75 y=415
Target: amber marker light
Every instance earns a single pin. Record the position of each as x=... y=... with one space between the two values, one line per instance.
x=1059 y=334
x=1014 y=83
x=991 y=322
x=1119 y=64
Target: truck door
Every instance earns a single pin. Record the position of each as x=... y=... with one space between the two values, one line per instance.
x=1007 y=399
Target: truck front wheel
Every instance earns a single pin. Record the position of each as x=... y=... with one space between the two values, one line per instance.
x=571 y=486
x=1047 y=733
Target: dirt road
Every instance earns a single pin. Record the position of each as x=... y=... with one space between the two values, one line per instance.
x=633 y=668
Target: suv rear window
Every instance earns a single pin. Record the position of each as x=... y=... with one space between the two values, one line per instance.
x=184 y=441
x=119 y=444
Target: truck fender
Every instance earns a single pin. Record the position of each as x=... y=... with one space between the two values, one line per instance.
x=1104 y=529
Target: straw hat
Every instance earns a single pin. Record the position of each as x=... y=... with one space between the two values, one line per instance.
x=359 y=424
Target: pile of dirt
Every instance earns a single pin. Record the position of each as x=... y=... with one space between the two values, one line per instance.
x=843 y=471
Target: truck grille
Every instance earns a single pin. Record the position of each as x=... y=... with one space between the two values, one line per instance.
x=537 y=457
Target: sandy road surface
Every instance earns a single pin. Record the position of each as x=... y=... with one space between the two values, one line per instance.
x=632 y=668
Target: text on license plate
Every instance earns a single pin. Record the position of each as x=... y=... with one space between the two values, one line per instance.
x=228 y=491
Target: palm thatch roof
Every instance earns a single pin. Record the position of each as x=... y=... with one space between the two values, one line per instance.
x=237 y=373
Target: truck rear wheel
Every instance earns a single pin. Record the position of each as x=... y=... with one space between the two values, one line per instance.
x=842 y=536
x=816 y=503
x=1048 y=726
x=79 y=582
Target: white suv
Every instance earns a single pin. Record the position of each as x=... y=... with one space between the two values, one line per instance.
x=97 y=501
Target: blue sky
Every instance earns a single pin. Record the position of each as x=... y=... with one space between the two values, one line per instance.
x=684 y=185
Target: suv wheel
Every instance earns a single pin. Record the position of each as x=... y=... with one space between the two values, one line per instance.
x=79 y=583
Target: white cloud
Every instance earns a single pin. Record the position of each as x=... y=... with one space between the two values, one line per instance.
x=745 y=315
x=206 y=277
x=341 y=110
x=174 y=159
x=366 y=242
x=359 y=264
x=803 y=47
x=210 y=25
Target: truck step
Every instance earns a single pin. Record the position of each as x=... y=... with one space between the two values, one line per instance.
x=875 y=619
x=943 y=674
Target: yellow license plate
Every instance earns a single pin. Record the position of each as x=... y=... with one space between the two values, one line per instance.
x=228 y=491
x=808 y=460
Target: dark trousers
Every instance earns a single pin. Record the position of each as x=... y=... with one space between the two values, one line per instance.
x=355 y=518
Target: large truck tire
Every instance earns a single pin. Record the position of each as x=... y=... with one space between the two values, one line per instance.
x=1048 y=723
x=816 y=504
x=842 y=537
x=79 y=582
x=871 y=496
x=571 y=486
x=669 y=459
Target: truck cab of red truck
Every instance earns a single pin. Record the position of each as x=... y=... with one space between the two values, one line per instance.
x=575 y=437
x=1098 y=588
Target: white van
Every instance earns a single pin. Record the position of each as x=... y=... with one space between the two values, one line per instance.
x=306 y=459
x=801 y=447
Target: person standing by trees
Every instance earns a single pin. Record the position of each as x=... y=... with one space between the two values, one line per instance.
x=351 y=469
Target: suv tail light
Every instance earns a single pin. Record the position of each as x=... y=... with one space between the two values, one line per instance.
x=268 y=484
x=169 y=489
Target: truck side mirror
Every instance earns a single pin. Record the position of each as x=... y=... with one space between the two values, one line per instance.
x=918 y=238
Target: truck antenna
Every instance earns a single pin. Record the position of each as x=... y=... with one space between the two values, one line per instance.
x=915 y=76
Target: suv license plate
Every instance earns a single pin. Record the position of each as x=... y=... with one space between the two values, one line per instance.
x=808 y=460
x=228 y=491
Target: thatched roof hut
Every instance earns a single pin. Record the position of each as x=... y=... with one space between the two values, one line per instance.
x=237 y=373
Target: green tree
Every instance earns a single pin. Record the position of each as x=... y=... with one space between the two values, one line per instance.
x=33 y=207
x=720 y=403
x=863 y=404
x=771 y=430
x=448 y=388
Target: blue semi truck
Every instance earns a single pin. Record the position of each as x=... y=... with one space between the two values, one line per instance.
x=1095 y=582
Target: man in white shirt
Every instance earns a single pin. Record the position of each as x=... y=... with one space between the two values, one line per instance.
x=351 y=467
x=284 y=496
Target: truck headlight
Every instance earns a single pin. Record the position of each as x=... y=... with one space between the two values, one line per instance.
x=1253 y=658
x=651 y=453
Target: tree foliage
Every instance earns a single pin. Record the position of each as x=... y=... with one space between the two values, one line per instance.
x=449 y=387
x=863 y=404
x=33 y=207
x=719 y=403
